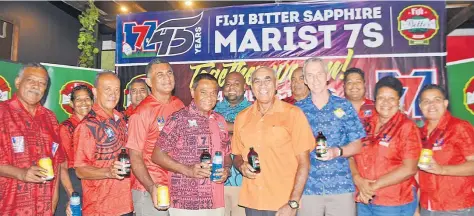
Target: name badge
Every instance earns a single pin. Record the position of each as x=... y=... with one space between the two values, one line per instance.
x=54 y=148
x=383 y=143
x=18 y=143
x=437 y=148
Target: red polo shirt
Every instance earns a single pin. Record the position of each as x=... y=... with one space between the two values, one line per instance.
x=98 y=140
x=367 y=109
x=453 y=141
x=66 y=129
x=384 y=152
x=24 y=139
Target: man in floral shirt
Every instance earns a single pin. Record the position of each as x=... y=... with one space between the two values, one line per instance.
x=329 y=188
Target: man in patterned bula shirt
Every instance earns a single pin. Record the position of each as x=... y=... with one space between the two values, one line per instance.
x=329 y=189
x=28 y=132
x=234 y=102
x=182 y=140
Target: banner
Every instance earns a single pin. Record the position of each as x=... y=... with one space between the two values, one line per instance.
x=403 y=39
x=62 y=80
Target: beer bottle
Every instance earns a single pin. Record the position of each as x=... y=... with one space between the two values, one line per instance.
x=321 y=145
x=75 y=204
x=205 y=157
x=217 y=162
x=125 y=160
x=253 y=160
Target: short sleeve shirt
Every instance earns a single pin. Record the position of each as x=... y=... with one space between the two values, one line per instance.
x=229 y=113
x=185 y=135
x=384 y=152
x=98 y=140
x=24 y=139
x=144 y=128
x=451 y=147
x=66 y=129
x=278 y=137
x=339 y=123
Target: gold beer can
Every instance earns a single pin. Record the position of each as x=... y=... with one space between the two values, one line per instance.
x=47 y=164
x=163 y=196
x=425 y=158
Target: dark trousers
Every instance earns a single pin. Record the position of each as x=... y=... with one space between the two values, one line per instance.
x=255 y=212
x=63 y=197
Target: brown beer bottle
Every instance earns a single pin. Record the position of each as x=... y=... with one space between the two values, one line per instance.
x=321 y=145
x=205 y=157
x=253 y=160
x=125 y=159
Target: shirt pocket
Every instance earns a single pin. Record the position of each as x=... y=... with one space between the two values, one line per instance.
x=280 y=140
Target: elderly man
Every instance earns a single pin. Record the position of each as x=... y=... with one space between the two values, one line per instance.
x=281 y=135
x=138 y=91
x=98 y=141
x=184 y=137
x=299 y=90
x=329 y=190
x=234 y=102
x=28 y=132
x=144 y=129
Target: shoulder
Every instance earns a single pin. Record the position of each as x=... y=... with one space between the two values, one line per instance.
x=4 y=107
x=340 y=101
x=177 y=102
x=243 y=113
x=460 y=125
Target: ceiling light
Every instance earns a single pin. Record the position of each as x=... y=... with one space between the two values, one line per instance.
x=188 y=3
x=123 y=8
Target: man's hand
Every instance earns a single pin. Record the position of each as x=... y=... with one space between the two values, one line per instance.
x=68 y=209
x=366 y=190
x=34 y=174
x=200 y=170
x=153 y=190
x=330 y=154
x=286 y=210
x=115 y=171
x=247 y=170
x=434 y=168
x=223 y=173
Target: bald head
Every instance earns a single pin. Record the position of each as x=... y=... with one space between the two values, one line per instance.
x=234 y=88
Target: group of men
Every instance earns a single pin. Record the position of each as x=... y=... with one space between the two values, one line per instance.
x=165 y=139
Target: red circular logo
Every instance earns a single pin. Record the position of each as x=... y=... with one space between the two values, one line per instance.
x=65 y=94
x=469 y=95
x=418 y=24
x=5 y=89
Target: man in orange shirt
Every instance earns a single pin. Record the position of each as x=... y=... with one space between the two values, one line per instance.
x=98 y=141
x=445 y=185
x=138 y=91
x=28 y=132
x=281 y=135
x=144 y=129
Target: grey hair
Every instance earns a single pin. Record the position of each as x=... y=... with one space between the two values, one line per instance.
x=275 y=73
x=31 y=65
x=138 y=80
x=315 y=59
x=97 y=77
x=155 y=62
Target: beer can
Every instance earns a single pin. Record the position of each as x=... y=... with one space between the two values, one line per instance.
x=47 y=164
x=425 y=158
x=163 y=196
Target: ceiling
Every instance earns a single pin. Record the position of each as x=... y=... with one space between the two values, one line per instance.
x=460 y=14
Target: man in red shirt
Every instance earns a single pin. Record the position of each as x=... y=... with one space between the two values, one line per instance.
x=445 y=187
x=28 y=132
x=138 y=91
x=354 y=90
x=187 y=134
x=98 y=141
x=144 y=129
x=299 y=90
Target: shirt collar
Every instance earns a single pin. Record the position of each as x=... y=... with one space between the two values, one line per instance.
x=276 y=107
x=99 y=112
x=443 y=122
x=193 y=109
x=16 y=103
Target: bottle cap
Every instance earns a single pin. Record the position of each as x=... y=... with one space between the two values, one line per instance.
x=218 y=153
x=75 y=194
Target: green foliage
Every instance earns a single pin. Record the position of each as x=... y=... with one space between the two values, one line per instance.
x=86 y=40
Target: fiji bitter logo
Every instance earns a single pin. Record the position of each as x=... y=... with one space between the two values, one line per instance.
x=5 y=89
x=65 y=94
x=418 y=24
x=169 y=38
x=469 y=95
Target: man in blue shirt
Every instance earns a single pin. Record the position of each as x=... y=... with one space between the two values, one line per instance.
x=234 y=102
x=329 y=188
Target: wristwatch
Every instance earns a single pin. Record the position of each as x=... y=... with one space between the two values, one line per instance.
x=293 y=204
x=340 y=151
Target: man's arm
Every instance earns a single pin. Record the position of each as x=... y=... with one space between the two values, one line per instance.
x=464 y=169
x=65 y=179
x=352 y=148
x=164 y=160
x=95 y=173
x=301 y=175
x=140 y=171
x=56 y=194
x=33 y=174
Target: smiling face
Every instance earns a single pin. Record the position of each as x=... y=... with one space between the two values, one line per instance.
x=161 y=78
x=205 y=95
x=433 y=104
x=387 y=102
x=82 y=103
x=316 y=77
x=354 y=87
x=138 y=92
x=263 y=85
x=107 y=91
x=234 y=88
x=31 y=85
